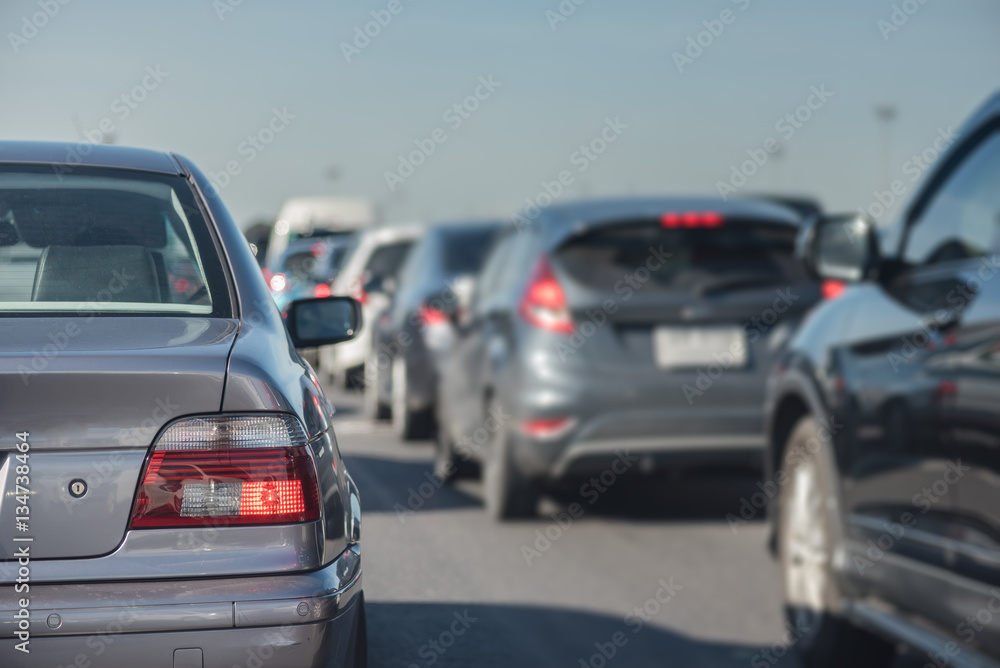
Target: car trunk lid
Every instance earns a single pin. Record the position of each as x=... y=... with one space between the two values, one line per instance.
x=92 y=394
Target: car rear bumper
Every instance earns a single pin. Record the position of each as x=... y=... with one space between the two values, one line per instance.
x=303 y=619
x=608 y=418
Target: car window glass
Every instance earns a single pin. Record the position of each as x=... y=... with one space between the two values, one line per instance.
x=99 y=243
x=493 y=268
x=517 y=263
x=963 y=218
x=387 y=259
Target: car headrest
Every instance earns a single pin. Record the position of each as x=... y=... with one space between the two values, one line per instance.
x=96 y=274
x=70 y=217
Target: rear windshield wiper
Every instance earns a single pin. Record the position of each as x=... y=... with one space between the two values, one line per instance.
x=733 y=283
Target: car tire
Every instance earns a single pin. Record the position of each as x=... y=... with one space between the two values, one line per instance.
x=375 y=409
x=808 y=526
x=448 y=464
x=409 y=425
x=358 y=652
x=508 y=494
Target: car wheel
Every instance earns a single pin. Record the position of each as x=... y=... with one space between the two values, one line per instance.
x=448 y=464
x=408 y=424
x=507 y=493
x=358 y=656
x=807 y=523
x=374 y=408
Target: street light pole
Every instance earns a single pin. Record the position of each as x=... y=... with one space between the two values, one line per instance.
x=886 y=113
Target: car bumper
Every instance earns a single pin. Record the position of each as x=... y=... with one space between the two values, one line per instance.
x=305 y=619
x=610 y=418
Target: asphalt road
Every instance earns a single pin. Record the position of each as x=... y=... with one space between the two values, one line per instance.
x=647 y=576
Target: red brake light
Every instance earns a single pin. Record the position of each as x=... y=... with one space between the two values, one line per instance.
x=833 y=289
x=230 y=470
x=322 y=290
x=544 y=302
x=432 y=316
x=547 y=428
x=692 y=219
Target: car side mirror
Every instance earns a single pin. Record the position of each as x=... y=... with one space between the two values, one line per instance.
x=842 y=248
x=323 y=322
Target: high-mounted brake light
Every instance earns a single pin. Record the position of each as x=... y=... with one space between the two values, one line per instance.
x=322 y=290
x=692 y=219
x=228 y=470
x=544 y=302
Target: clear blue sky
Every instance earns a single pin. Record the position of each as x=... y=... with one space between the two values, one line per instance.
x=610 y=59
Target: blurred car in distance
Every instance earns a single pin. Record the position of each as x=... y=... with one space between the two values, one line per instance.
x=176 y=455
x=632 y=333
x=314 y=217
x=883 y=460
x=369 y=275
x=415 y=333
x=308 y=268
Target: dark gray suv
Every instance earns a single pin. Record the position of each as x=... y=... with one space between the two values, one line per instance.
x=630 y=335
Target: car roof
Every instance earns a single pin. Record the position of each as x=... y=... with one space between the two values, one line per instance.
x=562 y=220
x=85 y=154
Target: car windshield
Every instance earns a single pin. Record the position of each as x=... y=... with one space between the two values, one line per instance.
x=104 y=241
x=738 y=254
x=463 y=251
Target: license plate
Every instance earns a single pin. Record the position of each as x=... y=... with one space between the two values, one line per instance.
x=676 y=347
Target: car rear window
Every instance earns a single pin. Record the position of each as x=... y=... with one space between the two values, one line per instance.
x=105 y=241
x=463 y=251
x=739 y=253
x=386 y=260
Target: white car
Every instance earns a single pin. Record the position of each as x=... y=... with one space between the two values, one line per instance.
x=369 y=275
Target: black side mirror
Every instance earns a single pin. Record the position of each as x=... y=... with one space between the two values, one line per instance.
x=842 y=248
x=323 y=322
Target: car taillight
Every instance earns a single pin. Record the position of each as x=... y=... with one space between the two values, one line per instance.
x=228 y=470
x=547 y=428
x=544 y=302
x=431 y=316
x=322 y=290
x=833 y=289
x=692 y=219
